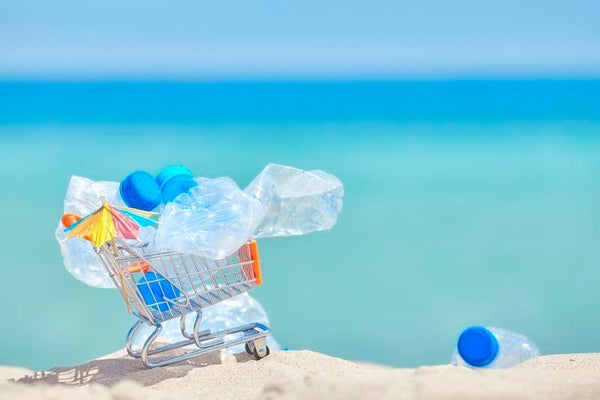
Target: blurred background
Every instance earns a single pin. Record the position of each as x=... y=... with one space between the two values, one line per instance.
x=467 y=135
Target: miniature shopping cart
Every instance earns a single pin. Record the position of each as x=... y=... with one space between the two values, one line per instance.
x=160 y=286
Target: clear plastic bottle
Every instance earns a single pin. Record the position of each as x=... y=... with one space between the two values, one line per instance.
x=490 y=347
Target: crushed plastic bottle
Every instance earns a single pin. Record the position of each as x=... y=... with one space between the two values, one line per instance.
x=80 y=258
x=295 y=201
x=490 y=347
x=213 y=220
x=83 y=195
x=239 y=310
x=216 y=217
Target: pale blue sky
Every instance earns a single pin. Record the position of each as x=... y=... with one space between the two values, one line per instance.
x=299 y=39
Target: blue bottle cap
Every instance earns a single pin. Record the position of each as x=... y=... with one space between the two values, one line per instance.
x=477 y=346
x=139 y=190
x=170 y=172
x=176 y=186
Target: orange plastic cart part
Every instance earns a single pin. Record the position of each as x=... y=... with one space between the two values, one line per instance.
x=137 y=267
x=256 y=264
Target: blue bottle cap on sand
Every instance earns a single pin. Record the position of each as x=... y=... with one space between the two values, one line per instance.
x=170 y=172
x=477 y=346
x=139 y=190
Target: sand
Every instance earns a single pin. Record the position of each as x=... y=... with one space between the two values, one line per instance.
x=304 y=375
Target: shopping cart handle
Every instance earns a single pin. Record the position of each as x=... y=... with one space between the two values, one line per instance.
x=256 y=263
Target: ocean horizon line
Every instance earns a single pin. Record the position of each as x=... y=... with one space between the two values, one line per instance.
x=325 y=79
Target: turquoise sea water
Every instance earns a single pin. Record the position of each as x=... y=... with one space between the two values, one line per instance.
x=466 y=203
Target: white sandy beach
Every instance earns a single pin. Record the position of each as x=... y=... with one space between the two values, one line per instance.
x=304 y=375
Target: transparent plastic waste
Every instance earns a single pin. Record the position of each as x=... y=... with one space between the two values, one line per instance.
x=80 y=259
x=491 y=347
x=212 y=220
x=295 y=201
x=239 y=310
x=216 y=217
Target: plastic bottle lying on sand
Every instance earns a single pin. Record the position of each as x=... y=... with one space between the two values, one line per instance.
x=490 y=347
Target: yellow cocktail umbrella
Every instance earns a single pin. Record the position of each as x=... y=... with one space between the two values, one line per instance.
x=109 y=222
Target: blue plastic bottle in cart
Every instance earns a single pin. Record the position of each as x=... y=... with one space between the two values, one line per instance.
x=490 y=347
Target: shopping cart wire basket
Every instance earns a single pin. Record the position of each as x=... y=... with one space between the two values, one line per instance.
x=158 y=286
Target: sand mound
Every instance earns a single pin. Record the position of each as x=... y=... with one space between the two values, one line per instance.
x=309 y=375
x=551 y=377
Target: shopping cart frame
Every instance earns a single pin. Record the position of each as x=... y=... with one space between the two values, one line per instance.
x=226 y=278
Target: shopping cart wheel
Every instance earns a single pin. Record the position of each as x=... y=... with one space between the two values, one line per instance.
x=248 y=349
x=257 y=356
x=258 y=347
